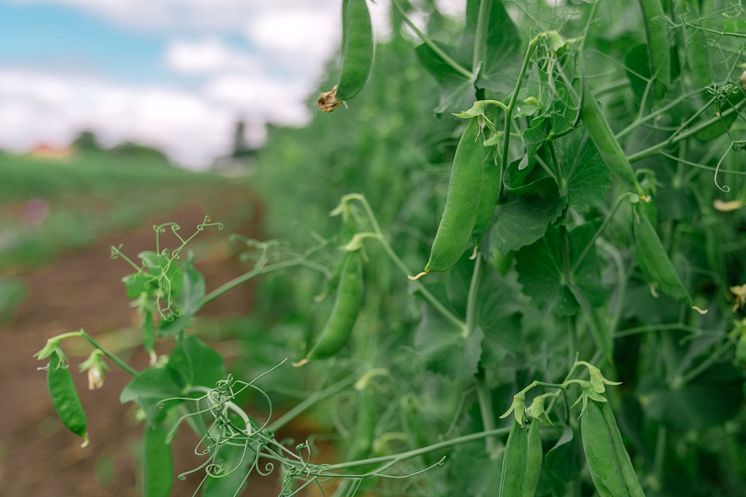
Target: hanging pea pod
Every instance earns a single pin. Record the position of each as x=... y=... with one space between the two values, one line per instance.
x=488 y=193
x=609 y=463
x=346 y=233
x=522 y=461
x=659 y=51
x=462 y=202
x=605 y=141
x=158 y=468
x=65 y=397
x=362 y=437
x=654 y=261
x=344 y=313
x=357 y=55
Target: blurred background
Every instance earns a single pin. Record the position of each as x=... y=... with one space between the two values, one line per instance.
x=119 y=115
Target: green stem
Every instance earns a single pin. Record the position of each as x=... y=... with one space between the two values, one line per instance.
x=427 y=41
x=480 y=38
x=598 y=232
x=471 y=300
x=639 y=122
x=422 y=450
x=652 y=150
x=484 y=397
x=249 y=275
x=116 y=360
x=310 y=401
x=513 y=102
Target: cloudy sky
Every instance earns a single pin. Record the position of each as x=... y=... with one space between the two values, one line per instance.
x=175 y=74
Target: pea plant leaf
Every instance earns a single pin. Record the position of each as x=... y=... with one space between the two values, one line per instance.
x=149 y=387
x=524 y=220
x=473 y=470
x=711 y=399
x=444 y=348
x=456 y=89
x=584 y=178
x=186 y=301
x=195 y=363
x=545 y=270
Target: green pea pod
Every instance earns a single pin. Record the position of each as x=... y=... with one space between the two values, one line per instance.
x=522 y=461
x=158 y=467
x=462 y=201
x=348 y=230
x=365 y=426
x=488 y=193
x=654 y=261
x=605 y=141
x=344 y=313
x=534 y=459
x=64 y=396
x=609 y=463
x=357 y=55
x=659 y=51
x=362 y=437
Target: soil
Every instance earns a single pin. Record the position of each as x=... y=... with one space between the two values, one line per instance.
x=83 y=289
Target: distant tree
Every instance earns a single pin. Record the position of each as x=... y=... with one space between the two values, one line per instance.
x=241 y=147
x=140 y=151
x=86 y=141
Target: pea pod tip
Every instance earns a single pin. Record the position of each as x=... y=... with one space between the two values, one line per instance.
x=417 y=276
x=302 y=362
x=699 y=310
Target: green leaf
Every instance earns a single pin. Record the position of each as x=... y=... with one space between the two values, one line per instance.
x=444 y=348
x=442 y=71
x=711 y=399
x=136 y=284
x=195 y=363
x=150 y=387
x=584 y=178
x=457 y=91
x=523 y=221
x=547 y=277
x=473 y=471
x=157 y=466
x=637 y=68
x=234 y=462
x=564 y=461
x=187 y=301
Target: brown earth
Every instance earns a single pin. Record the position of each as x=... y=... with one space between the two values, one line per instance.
x=83 y=289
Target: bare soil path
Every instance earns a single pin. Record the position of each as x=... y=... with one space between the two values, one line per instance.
x=83 y=289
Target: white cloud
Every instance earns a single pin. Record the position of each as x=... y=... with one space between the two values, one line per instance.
x=39 y=108
x=289 y=44
x=206 y=56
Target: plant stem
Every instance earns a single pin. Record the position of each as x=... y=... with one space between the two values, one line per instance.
x=480 y=38
x=484 y=397
x=427 y=41
x=116 y=360
x=598 y=232
x=652 y=150
x=229 y=285
x=471 y=300
x=310 y=401
x=513 y=102
x=422 y=450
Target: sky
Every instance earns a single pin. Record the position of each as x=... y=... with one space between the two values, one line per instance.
x=175 y=74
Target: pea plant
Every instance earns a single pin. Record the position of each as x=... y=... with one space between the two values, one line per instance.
x=560 y=314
